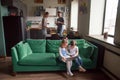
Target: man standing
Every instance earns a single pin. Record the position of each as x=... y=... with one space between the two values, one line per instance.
x=60 y=23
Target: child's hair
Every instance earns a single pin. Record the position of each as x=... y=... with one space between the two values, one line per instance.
x=46 y=13
x=73 y=42
x=63 y=41
x=65 y=37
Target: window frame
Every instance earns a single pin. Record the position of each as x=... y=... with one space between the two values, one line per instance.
x=104 y=20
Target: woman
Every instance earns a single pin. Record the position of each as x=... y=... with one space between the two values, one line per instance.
x=65 y=57
x=45 y=24
x=74 y=52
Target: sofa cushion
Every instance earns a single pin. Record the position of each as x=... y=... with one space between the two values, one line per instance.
x=86 y=51
x=86 y=62
x=39 y=59
x=57 y=55
x=37 y=46
x=29 y=51
x=53 y=46
x=22 y=50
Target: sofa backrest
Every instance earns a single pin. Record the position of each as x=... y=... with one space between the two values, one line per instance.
x=52 y=46
x=85 y=49
x=37 y=46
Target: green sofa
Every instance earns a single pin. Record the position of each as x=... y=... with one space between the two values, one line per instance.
x=42 y=55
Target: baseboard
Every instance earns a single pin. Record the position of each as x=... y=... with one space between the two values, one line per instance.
x=110 y=74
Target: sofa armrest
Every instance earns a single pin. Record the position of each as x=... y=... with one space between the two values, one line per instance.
x=14 y=56
x=94 y=56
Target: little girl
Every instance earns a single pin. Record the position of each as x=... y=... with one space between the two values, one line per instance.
x=74 y=52
x=65 y=57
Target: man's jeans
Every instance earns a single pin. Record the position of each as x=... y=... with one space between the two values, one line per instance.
x=61 y=32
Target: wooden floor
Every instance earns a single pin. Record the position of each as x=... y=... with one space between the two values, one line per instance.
x=5 y=74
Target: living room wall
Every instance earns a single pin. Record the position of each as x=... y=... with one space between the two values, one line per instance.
x=83 y=19
x=3 y=12
x=31 y=5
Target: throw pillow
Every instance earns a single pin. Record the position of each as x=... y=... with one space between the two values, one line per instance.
x=22 y=51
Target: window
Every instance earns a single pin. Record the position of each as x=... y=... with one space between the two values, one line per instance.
x=96 y=17
x=110 y=16
x=74 y=15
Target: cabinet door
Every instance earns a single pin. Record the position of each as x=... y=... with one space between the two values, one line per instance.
x=12 y=32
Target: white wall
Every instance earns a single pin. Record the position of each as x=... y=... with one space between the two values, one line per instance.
x=111 y=62
x=21 y=6
x=31 y=6
x=36 y=21
x=83 y=20
x=96 y=17
x=74 y=15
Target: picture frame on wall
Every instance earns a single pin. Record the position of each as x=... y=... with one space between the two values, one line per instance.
x=61 y=1
x=83 y=7
x=38 y=1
